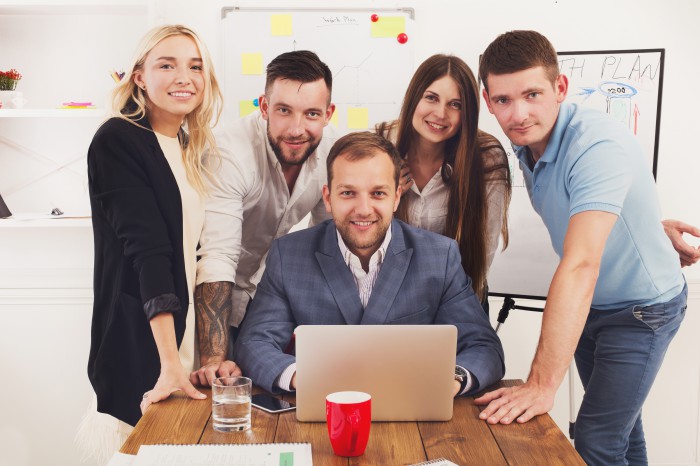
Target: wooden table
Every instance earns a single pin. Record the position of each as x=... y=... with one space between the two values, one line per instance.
x=464 y=440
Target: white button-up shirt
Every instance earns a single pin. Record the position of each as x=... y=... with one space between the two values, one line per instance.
x=364 y=280
x=249 y=205
x=427 y=209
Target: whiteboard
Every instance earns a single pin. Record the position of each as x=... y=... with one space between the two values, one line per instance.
x=627 y=84
x=371 y=67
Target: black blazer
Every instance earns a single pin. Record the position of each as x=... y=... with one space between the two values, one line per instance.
x=137 y=224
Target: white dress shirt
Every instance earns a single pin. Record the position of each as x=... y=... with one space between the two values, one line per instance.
x=364 y=280
x=427 y=209
x=365 y=284
x=249 y=205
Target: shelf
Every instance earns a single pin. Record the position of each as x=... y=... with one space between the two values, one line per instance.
x=46 y=223
x=52 y=113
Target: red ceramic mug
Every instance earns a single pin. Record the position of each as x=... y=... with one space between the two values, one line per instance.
x=348 y=416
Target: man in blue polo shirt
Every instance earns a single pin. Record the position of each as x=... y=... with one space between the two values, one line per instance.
x=618 y=295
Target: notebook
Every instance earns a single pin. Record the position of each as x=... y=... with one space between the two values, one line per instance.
x=407 y=369
x=267 y=454
x=436 y=462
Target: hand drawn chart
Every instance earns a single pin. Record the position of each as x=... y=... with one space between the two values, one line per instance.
x=369 y=51
x=624 y=84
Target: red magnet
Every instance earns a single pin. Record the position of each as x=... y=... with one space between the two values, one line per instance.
x=375 y=18
x=402 y=38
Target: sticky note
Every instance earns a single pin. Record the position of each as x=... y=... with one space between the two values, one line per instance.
x=358 y=118
x=334 y=118
x=389 y=26
x=251 y=63
x=281 y=25
x=246 y=107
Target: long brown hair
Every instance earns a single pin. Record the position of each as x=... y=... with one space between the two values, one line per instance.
x=472 y=157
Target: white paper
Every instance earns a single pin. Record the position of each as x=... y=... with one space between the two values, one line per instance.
x=436 y=462
x=121 y=459
x=269 y=454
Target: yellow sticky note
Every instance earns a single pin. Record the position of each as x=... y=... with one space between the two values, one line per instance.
x=389 y=26
x=281 y=25
x=246 y=107
x=358 y=118
x=251 y=63
x=334 y=118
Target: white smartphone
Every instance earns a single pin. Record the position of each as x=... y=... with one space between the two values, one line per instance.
x=271 y=404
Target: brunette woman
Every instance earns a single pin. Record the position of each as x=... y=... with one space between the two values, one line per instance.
x=456 y=179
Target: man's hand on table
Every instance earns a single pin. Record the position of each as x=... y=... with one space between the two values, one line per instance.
x=212 y=368
x=520 y=403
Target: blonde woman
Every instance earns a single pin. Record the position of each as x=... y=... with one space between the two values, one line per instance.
x=147 y=195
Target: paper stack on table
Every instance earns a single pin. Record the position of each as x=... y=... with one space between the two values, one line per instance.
x=436 y=462
x=267 y=454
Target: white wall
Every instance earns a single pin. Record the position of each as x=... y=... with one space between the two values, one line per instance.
x=45 y=309
x=45 y=273
x=65 y=53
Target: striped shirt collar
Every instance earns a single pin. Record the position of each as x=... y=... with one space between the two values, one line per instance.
x=365 y=280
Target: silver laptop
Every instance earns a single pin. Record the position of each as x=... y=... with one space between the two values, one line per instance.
x=408 y=369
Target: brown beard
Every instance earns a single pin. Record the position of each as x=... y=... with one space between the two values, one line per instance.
x=277 y=149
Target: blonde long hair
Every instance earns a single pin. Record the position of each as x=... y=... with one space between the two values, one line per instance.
x=129 y=102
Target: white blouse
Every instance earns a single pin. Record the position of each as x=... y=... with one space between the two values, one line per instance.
x=192 y=223
x=427 y=209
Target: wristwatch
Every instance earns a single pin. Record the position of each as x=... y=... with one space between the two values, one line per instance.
x=461 y=377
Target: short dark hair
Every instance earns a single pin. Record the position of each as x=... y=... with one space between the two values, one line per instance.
x=516 y=51
x=356 y=146
x=301 y=65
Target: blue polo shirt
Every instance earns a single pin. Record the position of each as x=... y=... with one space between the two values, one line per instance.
x=592 y=162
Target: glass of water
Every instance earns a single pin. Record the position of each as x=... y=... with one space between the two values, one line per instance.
x=230 y=403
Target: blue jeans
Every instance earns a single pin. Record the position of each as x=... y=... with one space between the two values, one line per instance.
x=618 y=356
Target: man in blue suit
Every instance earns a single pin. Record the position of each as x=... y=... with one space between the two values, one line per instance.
x=362 y=267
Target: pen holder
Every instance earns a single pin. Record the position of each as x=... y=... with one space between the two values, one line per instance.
x=18 y=101
x=6 y=98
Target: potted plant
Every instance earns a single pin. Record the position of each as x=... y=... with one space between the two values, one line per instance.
x=8 y=84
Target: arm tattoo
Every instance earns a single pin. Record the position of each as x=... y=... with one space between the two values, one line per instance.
x=212 y=310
